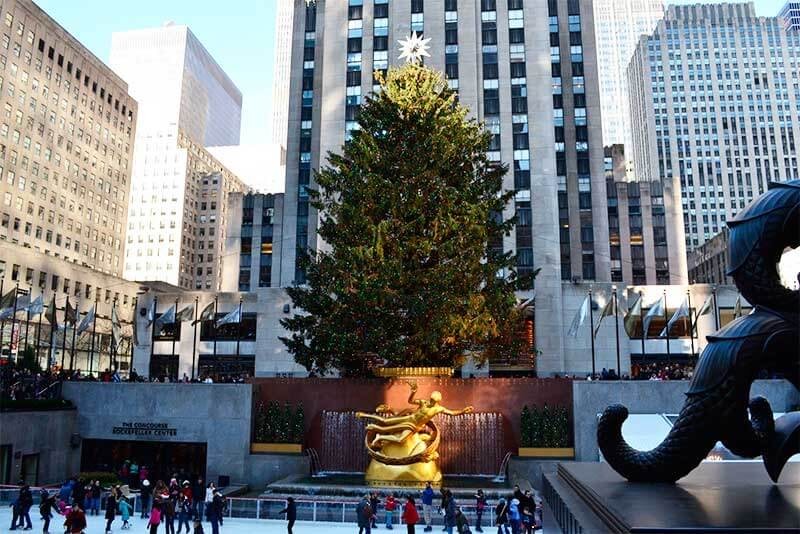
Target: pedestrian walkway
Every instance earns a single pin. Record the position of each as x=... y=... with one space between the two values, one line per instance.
x=96 y=525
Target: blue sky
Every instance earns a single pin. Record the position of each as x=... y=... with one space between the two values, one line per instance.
x=238 y=33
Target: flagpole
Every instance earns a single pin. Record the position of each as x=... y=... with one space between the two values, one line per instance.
x=153 y=335
x=74 y=336
x=50 y=355
x=716 y=309
x=666 y=322
x=616 y=329
x=194 y=337
x=27 y=326
x=94 y=329
x=691 y=328
x=239 y=328
x=3 y=321
x=214 y=324
x=175 y=329
x=64 y=340
x=114 y=363
x=591 y=332
x=38 y=329
x=134 y=341
x=13 y=321
x=644 y=334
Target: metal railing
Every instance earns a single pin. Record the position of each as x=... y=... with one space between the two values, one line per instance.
x=322 y=511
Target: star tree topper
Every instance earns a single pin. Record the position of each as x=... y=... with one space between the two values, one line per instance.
x=414 y=48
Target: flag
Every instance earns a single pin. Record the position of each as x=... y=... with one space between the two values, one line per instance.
x=52 y=318
x=7 y=301
x=656 y=310
x=633 y=317
x=737 y=308
x=704 y=310
x=231 y=317
x=87 y=321
x=186 y=314
x=116 y=331
x=579 y=318
x=23 y=303
x=151 y=312
x=168 y=317
x=36 y=307
x=6 y=313
x=70 y=314
x=207 y=314
x=608 y=310
x=682 y=311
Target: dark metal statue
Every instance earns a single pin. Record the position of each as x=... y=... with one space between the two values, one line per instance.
x=718 y=405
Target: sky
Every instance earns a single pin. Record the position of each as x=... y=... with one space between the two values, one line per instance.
x=239 y=34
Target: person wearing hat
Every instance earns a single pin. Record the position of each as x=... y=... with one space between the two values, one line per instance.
x=146 y=491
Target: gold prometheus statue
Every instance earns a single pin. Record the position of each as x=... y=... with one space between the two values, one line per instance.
x=404 y=445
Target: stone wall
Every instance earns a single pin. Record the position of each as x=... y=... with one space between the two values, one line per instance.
x=649 y=397
x=47 y=434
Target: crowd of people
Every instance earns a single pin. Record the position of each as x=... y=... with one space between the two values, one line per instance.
x=519 y=513
x=161 y=504
x=662 y=371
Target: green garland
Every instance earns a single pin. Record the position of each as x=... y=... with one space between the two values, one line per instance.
x=547 y=427
x=276 y=424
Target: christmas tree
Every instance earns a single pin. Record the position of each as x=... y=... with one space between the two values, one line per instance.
x=407 y=213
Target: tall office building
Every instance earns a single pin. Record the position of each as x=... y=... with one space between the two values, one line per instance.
x=618 y=26
x=645 y=226
x=66 y=141
x=715 y=91
x=526 y=68
x=281 y=70
x=186 y=102
x=790 y=14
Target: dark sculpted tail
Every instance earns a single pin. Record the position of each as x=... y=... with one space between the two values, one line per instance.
x=701 y=423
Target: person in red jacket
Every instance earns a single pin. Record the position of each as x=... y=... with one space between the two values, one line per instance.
x=410 y=515
x=390 y=506
x=76 y=520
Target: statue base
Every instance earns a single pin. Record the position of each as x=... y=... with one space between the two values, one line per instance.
x=409 y=475
x=715 y=497
x=403 y=476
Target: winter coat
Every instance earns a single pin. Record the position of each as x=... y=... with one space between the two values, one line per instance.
x=501 y=511
x=390 y=505
x=290 y=511
x=111 y=506
x=25 y=499
x=76 y=521
x=364 y=513
x=124 y=509
x=410 y=514
x=513 y=510
x=155 y=517
x=450 y=513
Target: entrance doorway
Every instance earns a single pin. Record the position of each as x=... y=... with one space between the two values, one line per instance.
x=163 y=460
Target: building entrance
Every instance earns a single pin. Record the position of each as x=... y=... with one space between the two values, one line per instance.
x=163 y=460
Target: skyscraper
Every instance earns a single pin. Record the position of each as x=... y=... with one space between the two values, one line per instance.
x=526 y=68
x=179 y=191
x=618 y=26
x=66 y=142
x=790 y=14
x=280 y=72
x=714 y=92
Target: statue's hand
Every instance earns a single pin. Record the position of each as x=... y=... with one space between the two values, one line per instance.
x=412 y=385
x=468 y=409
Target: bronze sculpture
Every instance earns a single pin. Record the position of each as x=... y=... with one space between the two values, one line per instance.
x=403 y=446
x=718 y=402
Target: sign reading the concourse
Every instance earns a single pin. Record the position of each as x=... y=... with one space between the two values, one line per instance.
x=144 y=429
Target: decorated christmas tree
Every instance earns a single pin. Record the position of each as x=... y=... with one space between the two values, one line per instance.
x=407 y=277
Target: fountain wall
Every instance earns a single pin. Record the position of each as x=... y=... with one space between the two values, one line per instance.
x=503 y=398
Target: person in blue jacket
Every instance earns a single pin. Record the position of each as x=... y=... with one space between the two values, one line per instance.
x=427 y=506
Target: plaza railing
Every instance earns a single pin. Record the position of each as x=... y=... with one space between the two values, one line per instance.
x=308 y=508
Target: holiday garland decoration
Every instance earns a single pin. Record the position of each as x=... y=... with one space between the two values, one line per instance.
x=547 y=427
x=276 y=424
x=408 y=209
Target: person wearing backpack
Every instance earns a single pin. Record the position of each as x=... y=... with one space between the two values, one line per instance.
x=364 y=515
x=410 y=515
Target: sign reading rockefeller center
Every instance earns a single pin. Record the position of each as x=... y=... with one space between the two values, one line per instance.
x=144 y=429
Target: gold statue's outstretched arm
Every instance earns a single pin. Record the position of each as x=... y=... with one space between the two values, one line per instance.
x=468 y=409
x=413 y=386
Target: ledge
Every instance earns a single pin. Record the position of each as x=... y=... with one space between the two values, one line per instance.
x=276 y=448
x=547 y=452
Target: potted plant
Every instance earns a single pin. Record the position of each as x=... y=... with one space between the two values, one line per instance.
x=278 y=429
x=545 y=432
